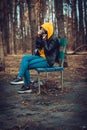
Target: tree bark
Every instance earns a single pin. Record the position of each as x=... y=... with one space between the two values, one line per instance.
x=81 y=27
x=85 y=15
x=60 y=22
x=60 y=17
x=32 y=20
x=2 y=59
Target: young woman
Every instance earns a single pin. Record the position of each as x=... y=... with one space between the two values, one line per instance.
x=46 y=53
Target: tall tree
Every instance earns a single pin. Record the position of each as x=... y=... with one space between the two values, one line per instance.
x=15 y=26
x=81 y=26
x=11 y=27
x=85 y=20
x=5 y=25
x=22 y=25
x=42 y=10
x=2 y=59
x=74 y=23
x=60 y=21
x=75 y=26
x=32 y=21
x=60 y=17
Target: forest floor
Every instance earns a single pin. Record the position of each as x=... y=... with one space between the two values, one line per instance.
x=52 y=109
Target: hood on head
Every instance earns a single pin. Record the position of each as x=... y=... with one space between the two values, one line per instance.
x=48 y=26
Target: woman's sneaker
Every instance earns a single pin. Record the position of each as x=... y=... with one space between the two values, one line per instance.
x=17 y=81
x=24 y=89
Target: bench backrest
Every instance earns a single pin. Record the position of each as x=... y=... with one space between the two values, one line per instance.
x=62 y=50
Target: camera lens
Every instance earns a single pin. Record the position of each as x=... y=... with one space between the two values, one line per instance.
x=44 y=32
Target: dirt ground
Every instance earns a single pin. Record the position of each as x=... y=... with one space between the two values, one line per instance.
x=52 y=109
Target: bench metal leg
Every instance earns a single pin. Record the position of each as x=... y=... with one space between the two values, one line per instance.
x=39 y=83
x=47 y=74
x=62 y=79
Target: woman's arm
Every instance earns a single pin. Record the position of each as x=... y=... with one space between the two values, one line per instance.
x=39 y=43
x=50 y=45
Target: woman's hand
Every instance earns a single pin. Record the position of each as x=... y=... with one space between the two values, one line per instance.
x=39 y=33
x=44 y=36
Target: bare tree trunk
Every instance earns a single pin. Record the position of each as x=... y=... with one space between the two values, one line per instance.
x=22 y=26
x=81 y=27
x=5 y=26
x=85 y=15
x=60 y=22
x=42 y=11
x=14 y=26
x=11 y=30
x=60 y=17
x=2 y=59
x=2 y=54
x=74 y=24
x=32 y=20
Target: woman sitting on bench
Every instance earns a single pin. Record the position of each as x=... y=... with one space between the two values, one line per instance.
x=46 y=54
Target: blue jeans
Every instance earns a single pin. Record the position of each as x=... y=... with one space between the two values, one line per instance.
x=30 y=62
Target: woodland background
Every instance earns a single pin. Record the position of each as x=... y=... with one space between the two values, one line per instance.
x=52 y=110
x=20 y=20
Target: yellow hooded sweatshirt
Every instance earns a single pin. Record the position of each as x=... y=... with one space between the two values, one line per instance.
x=48 y=26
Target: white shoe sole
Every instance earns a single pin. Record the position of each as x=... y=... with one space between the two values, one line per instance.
x=16 y=83
x=24 y=92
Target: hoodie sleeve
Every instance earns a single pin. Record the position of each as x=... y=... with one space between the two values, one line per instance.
x=49 y=45
x=39 y=43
